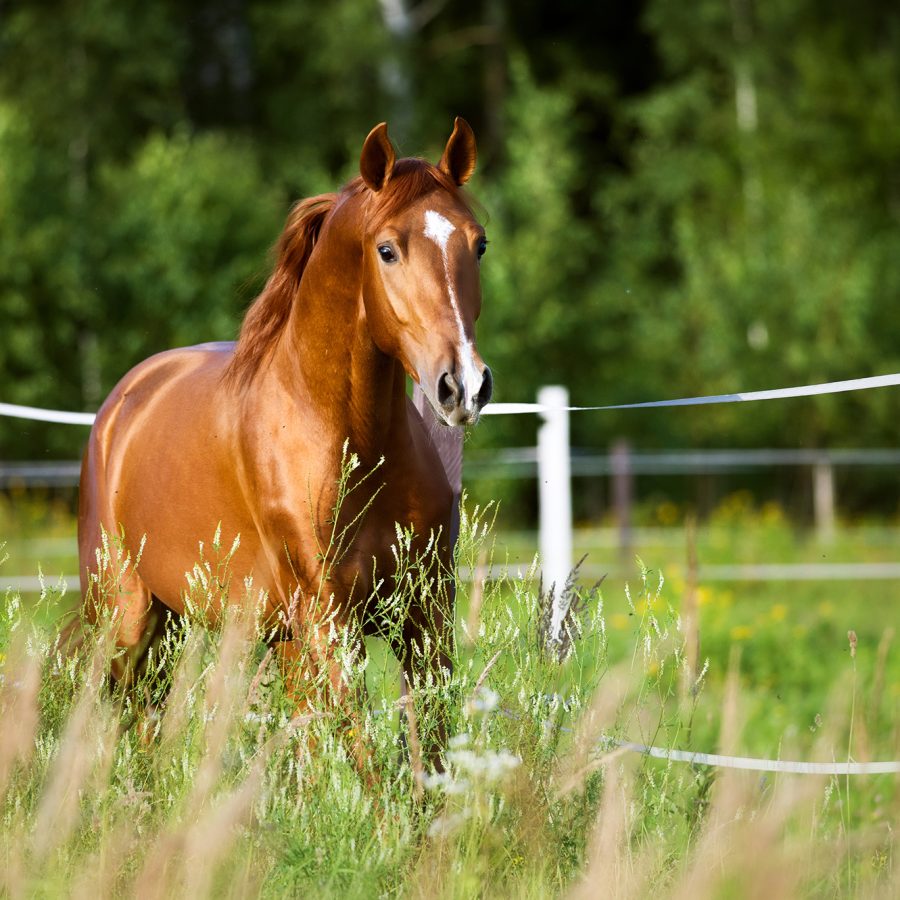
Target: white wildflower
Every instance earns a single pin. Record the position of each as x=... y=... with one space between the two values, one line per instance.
x=485 y=701
x=447 y=824
x=459 y=740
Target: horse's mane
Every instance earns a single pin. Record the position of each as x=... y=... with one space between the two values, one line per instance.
x=268 y=314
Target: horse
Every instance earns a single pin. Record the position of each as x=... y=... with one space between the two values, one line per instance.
x=371 y=284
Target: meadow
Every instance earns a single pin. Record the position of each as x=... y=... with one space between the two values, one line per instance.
x=203 y=781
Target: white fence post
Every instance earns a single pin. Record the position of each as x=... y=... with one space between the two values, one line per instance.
x=555 y=496
x=622 y=494
x=823 y=500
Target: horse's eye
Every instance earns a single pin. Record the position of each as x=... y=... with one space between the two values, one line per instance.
x=482 y=246
x=386 y=252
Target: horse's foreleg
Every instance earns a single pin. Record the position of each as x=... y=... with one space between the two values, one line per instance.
x=427 y=667
x=320 y=685
x=133 y=621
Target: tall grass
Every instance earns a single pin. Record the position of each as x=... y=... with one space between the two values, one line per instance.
x=200 y=779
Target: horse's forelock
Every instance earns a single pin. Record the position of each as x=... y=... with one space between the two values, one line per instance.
x=411 y=179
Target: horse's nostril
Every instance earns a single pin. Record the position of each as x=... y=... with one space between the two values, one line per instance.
x=486 y=389
x=447 y=389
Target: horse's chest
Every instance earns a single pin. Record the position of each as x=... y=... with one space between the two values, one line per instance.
x=403 y=528
x=318 y=522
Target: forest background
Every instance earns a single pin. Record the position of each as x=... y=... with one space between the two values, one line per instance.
x=681 y=198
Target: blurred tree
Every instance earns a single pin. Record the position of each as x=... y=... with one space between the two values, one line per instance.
x=81 y=83
x=759 y=211
x=183 y=252
x=317 y=87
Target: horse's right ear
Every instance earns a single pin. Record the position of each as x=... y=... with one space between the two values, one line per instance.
x=460 y=154
x=377 y=160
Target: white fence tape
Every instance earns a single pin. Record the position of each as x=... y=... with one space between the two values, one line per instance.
x=809 y=390
x=764 y=765
x=507 y=409
x=46 y=415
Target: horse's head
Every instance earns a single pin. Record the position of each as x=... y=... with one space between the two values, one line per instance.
x=421 y=249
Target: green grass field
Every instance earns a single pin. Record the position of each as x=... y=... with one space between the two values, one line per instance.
x=220 y=792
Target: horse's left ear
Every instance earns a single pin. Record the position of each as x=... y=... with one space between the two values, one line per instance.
x=460 y=154
x=377 y=160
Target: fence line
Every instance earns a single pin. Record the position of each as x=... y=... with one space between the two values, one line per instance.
x=755 y=764
x=36 y=414
x=521 y=462
x=500 y=409
x=873 y=571
x=46 y=474
x=739 y=572
x=808 y=390
x=750 y=572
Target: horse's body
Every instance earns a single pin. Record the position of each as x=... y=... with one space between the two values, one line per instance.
x=375 y=282
x=171 y=458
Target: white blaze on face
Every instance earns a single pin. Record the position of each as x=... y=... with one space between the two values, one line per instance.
x=438 y=229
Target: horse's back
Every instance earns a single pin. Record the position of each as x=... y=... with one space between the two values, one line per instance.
x=158 y=458
x=142 y=383
x=153 y=395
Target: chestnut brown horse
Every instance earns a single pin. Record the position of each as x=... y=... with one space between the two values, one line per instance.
x=371 y=284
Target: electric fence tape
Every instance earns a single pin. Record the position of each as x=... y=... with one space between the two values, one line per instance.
x=46 y=415
x=506 y=409
x=809 y=390
x=764 y=765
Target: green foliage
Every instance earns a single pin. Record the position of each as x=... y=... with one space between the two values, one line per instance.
x=190 y=219
x=753 y=236
x=539 y=246
x=680 y=199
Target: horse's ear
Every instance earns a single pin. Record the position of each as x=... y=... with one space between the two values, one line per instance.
x=377 y=160
x=460 y=154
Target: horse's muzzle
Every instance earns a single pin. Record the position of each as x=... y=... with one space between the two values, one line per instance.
x=462 y=398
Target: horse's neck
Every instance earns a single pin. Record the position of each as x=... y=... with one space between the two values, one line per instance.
x=328 y=354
